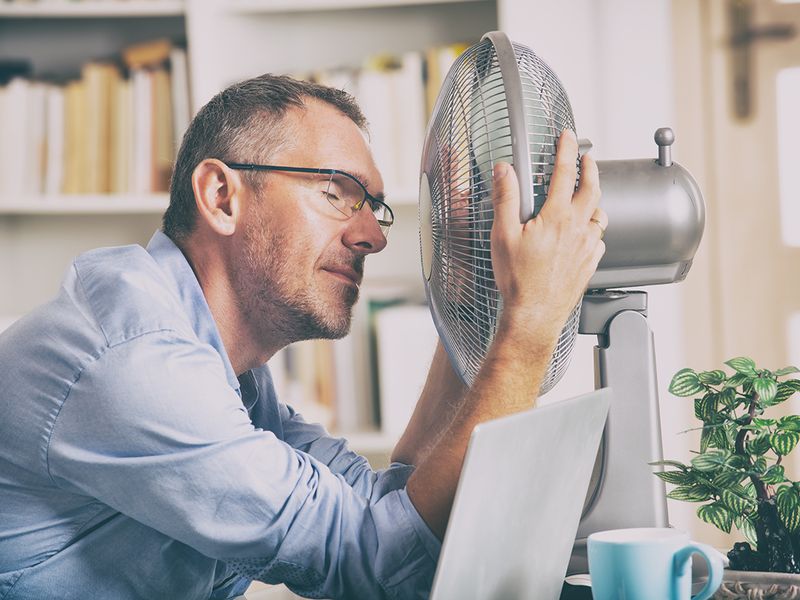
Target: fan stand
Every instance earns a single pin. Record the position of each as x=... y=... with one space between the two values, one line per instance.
x=623 y=491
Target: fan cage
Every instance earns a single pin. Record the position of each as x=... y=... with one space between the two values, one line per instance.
x=471 y=131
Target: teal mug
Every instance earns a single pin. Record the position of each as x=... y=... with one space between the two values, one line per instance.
x=648 y=563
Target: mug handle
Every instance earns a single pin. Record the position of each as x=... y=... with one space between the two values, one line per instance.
x=682 y=561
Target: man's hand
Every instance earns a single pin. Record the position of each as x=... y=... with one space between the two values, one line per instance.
x=542 y=267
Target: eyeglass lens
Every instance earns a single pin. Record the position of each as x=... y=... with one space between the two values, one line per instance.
x=346 y=196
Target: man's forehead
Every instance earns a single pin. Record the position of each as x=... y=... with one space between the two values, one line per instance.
x=323 y=136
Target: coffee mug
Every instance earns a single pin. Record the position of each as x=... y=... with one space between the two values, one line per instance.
x=648 y=563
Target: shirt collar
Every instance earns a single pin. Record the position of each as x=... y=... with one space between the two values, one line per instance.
x=172 y=261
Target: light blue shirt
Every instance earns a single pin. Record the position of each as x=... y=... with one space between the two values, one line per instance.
x=135 y=464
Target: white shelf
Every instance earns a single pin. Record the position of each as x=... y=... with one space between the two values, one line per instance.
x=285 y=6
x=97 y=204
x=92 y=8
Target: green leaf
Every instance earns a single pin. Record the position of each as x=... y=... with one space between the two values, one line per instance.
x=727 y=478
x=712 y=377
x=691 y=493
x=748 y=529
x=774 y=475
x=788 y=501
x=789 y=423
x=758 y=445
x=710 y=461
x=786 y=371
x=719 y=439
x=717 y=515
x=705 y=438
x=705 y=407
x=685 y=383
x=786 y=389
x=737 y=462
x=766 y=390
x=735 y=502
x=736 y=381
x=760 y=465
x=783 y=442
x=675 y=477
x=764 y=422
x=742 y=365
x=727 y=398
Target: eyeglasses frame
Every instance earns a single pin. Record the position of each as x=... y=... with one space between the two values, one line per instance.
x=320 y=171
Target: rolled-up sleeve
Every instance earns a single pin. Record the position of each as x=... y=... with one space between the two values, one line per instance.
x=152 y=429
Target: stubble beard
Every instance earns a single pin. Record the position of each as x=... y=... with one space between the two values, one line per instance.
x=279 y=304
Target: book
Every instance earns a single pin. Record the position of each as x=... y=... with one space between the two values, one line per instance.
x=54 y=140
x=163 y=140
x=75 y=163
x=99 y=80
x=181 y=100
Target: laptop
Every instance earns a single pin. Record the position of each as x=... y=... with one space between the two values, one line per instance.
x=519 y=501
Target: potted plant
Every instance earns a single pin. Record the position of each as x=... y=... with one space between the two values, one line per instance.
x=738 y=476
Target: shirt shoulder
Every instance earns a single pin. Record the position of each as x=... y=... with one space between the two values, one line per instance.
x=127 y=293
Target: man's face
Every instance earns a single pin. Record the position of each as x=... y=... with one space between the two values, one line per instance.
x=299 y=261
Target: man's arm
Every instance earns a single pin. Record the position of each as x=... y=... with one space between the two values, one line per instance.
x=541 y=269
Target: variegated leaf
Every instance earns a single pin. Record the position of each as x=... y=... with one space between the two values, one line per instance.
x=758 y=445
x=788 y=502
x=711 y=377
x=766 y=390
x=685 y=383
x=717 y=515
x=710 y=460
x=675 y=477
x=742 y=365
x=748 y=529
x=786 y=371
x=690 y=493
x=783 y=442
x=774 y=475
x=735 y=502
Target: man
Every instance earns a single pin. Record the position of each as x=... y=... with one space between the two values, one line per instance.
x=143 y=453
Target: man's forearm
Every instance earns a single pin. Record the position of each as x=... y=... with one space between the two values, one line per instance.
x=507 y=383
x=440 y=400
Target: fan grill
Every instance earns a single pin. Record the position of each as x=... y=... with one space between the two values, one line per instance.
x=470 y=131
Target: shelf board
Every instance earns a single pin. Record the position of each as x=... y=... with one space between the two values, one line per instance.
x=46 y=9
x=97 y=204
x=286 y=6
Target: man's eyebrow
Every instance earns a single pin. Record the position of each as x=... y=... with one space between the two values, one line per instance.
x=362 y=179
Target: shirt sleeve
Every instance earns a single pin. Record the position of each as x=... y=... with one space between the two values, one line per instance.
x=152 y=429
x=314 y=439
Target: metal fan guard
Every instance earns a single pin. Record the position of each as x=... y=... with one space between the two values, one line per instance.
x=499 y=102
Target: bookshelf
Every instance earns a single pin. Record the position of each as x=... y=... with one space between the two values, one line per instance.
x=41 y=233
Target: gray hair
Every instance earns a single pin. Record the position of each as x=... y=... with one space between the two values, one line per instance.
x=241 y=123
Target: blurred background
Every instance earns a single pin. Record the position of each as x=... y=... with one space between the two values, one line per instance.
x=95 y=95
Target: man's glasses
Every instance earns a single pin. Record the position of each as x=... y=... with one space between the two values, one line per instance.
x=345 y=193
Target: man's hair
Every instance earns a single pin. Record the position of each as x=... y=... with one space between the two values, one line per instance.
x=241 y=123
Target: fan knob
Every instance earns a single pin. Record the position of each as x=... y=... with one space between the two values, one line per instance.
x=664 y=137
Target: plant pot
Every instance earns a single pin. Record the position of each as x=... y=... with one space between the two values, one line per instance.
x=758 y=585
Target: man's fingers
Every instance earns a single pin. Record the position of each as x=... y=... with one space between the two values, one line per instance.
x=505 y=197
x=587 y=196
x=565 y=172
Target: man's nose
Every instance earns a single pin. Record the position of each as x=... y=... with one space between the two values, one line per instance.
x=363 y=233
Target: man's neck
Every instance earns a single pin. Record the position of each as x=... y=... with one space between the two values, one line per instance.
x=243 y=343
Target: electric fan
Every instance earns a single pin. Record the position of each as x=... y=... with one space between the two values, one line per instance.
x=500 y=102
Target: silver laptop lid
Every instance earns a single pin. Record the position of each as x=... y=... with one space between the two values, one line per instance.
x=519 y=501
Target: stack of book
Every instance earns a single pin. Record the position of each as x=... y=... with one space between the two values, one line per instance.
x=397 y=95
x=114 y=130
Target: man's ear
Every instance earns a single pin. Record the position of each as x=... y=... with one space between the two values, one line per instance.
x=217 y=195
